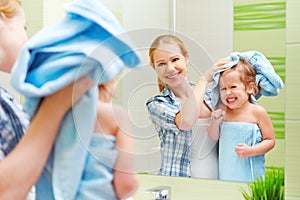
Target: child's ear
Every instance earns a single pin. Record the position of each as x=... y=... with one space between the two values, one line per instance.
x=187 y=58
x=251 y=88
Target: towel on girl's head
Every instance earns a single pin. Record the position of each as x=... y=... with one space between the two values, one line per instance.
x=88 y=41
x=267 y=80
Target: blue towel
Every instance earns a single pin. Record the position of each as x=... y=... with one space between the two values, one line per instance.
x=232 y=167
x=266 y=78
x=88 y=41
x=98 y=174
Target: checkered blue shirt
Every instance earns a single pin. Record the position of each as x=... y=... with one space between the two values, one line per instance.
x=175 y=144
x=13 y=123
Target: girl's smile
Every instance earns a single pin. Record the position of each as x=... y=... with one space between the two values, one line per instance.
x=233 y=92
x=231 y=100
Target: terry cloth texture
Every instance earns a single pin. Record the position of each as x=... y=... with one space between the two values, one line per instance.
x=232 y=167
x=266 y=78
x=88 y=41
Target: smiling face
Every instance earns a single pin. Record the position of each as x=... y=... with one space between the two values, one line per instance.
x=170 y=64
x=234 y=94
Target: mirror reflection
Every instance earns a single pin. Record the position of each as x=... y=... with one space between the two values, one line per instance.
x=229 y=29
x=210 y=30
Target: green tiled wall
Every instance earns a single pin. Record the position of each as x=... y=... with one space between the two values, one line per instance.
x=276 y=32
x=293 y=22
x=261 y=26
x=292 y=177
x=292 y=159
x=293 y=92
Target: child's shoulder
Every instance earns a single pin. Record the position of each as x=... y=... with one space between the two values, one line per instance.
x=258 y=109
x=109 y=107
x=110 y=117
x=120 y=113
x=120 y=110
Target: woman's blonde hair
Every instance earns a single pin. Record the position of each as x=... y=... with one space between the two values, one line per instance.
x=165 y=39
x=9 y=7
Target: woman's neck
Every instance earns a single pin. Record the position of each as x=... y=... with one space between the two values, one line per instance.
x=182 y=91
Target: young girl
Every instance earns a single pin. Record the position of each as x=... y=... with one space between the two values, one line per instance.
x=180 y=103
x=244 y=129
x=112 y=131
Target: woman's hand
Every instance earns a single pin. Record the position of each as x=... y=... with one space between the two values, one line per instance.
x=35 y=146
x=219 y=65
x=62 y=100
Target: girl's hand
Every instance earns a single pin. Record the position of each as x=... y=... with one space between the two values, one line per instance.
x=217 y=116
x=243 y=150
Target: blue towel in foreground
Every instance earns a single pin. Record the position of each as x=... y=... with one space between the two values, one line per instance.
x=266 y=78
x=88 y=41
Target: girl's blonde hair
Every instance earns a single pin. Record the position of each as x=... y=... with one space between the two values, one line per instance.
x=247 y=73
x=9 y=7
x=165 y=39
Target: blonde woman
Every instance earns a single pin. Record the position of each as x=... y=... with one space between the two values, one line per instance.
x=180 y=103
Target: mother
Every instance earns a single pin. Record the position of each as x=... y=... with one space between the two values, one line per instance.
x=180 y=103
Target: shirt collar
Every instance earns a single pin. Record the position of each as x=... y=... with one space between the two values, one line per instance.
x=167 y=92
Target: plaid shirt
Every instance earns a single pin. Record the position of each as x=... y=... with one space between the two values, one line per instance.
x=13 y=123
x=175 y=143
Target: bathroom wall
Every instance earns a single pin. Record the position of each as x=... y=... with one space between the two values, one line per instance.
x=280 y=38
x=260 y=26
x=138 y=85
x=292 y=158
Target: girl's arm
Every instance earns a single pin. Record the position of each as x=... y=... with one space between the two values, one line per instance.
x=217 y=117
x=125 y=179
x=268 y=136
x=23 y=166
x=267 y=130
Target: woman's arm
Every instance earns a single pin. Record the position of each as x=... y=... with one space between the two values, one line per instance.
x=194 y=107
x=23 y=166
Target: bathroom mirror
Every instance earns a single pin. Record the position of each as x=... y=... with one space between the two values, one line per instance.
x=211 y=29
x=216 y=29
